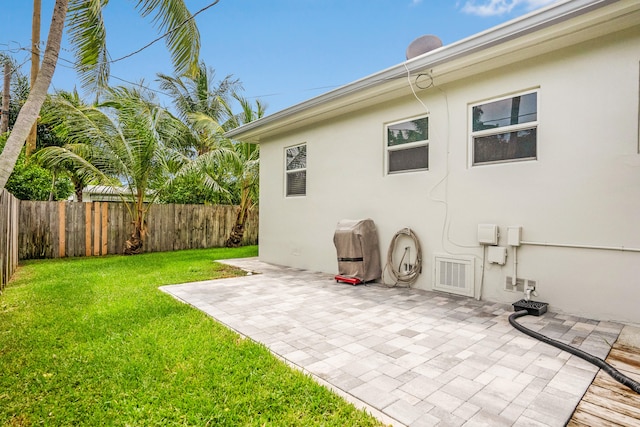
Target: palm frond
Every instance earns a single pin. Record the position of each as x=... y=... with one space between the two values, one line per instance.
x=183 y=38
x=54 y=156
x=205 y=123
x=87 y=32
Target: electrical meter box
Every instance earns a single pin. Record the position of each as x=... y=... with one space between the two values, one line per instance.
x=514 y=235
x=497 y=255
x=488 y=234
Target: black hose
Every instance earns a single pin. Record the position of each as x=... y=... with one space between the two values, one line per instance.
x=613 y=372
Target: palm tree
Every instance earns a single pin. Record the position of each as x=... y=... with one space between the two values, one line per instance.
x=193 y=94
x=88 y=34
x=245 y=168
x=247 y=171
x=31 y=108
x=127 y=139
x=18 y=89
x=53 y=117
x=208 y=108
x=201 y=94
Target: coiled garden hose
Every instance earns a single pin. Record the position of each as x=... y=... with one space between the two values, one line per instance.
x=409 y=277
x=613 y=372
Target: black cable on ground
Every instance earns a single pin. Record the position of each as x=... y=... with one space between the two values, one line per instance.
x=613 y=372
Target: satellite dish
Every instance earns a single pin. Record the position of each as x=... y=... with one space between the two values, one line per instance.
x=423 y=44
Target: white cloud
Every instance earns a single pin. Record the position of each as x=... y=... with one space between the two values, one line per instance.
x=500 y=7
x=415 y=2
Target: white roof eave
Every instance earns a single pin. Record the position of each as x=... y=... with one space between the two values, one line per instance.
x=447 y=59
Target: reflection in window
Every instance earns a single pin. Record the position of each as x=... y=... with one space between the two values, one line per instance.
x=405 y=132
x=296 y=170
x=505 y=130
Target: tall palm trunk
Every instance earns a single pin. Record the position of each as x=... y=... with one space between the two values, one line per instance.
x=135 y=243
x=6 y=98
x=31 y=108
x=78 y=187
x=35 y=67
x=237 y=232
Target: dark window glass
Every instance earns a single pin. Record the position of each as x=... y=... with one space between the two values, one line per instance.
x=506 y=112
x=505 y=146
x=409 y=159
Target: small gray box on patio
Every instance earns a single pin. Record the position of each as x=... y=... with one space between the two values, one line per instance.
x=356 y=243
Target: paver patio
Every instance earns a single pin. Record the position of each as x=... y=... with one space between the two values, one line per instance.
x=408 y=356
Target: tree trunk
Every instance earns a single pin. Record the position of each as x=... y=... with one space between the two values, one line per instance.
x=35 y=67
x=52 y=192
x=78 y=191
x=135 y=243
x=6 y=98
x=237 y=233
x=78 y=186
x=31 y=108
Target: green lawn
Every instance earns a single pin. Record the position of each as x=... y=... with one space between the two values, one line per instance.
x=92 y=341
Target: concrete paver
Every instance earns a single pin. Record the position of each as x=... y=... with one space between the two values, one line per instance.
x=410 y=357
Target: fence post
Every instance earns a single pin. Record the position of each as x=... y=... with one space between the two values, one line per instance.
x=62 y=229
x=8 y=236
x=96 y=228
x=87 y=229
x=104 y=228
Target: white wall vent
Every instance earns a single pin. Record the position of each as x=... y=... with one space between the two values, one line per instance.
x=454 y=275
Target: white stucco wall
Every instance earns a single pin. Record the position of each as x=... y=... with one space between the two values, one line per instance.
x=584 y=188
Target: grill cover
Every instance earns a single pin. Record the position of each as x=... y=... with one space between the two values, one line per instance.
x=356 y=243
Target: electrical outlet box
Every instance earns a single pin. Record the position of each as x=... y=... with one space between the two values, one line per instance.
x=521 y=284
x=488 y=234
x=508 y=285
x=514 y=235
x=497 y=255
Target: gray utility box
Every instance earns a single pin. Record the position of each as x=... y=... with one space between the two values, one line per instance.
x=356 y=243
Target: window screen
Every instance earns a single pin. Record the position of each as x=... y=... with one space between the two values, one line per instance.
x=409 y=159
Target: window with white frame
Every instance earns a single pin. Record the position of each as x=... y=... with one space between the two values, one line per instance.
x=296 y=170
x=407 y=145
x=505 y=130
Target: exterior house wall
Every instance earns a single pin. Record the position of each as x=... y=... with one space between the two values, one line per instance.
x=583 y=189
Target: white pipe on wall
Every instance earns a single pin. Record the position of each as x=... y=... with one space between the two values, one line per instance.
x=514 y=279
x=568 y=245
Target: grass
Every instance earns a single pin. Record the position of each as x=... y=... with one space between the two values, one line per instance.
x=92 y=341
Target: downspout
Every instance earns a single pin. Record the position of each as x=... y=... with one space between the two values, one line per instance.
x=514 y=279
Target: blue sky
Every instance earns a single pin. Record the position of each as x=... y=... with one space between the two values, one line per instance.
x=283 y=51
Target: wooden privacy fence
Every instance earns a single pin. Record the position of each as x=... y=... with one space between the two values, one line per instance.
x=9 y=206
x=69 y=229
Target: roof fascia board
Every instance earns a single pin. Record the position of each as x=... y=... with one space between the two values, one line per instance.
x=517 y=28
